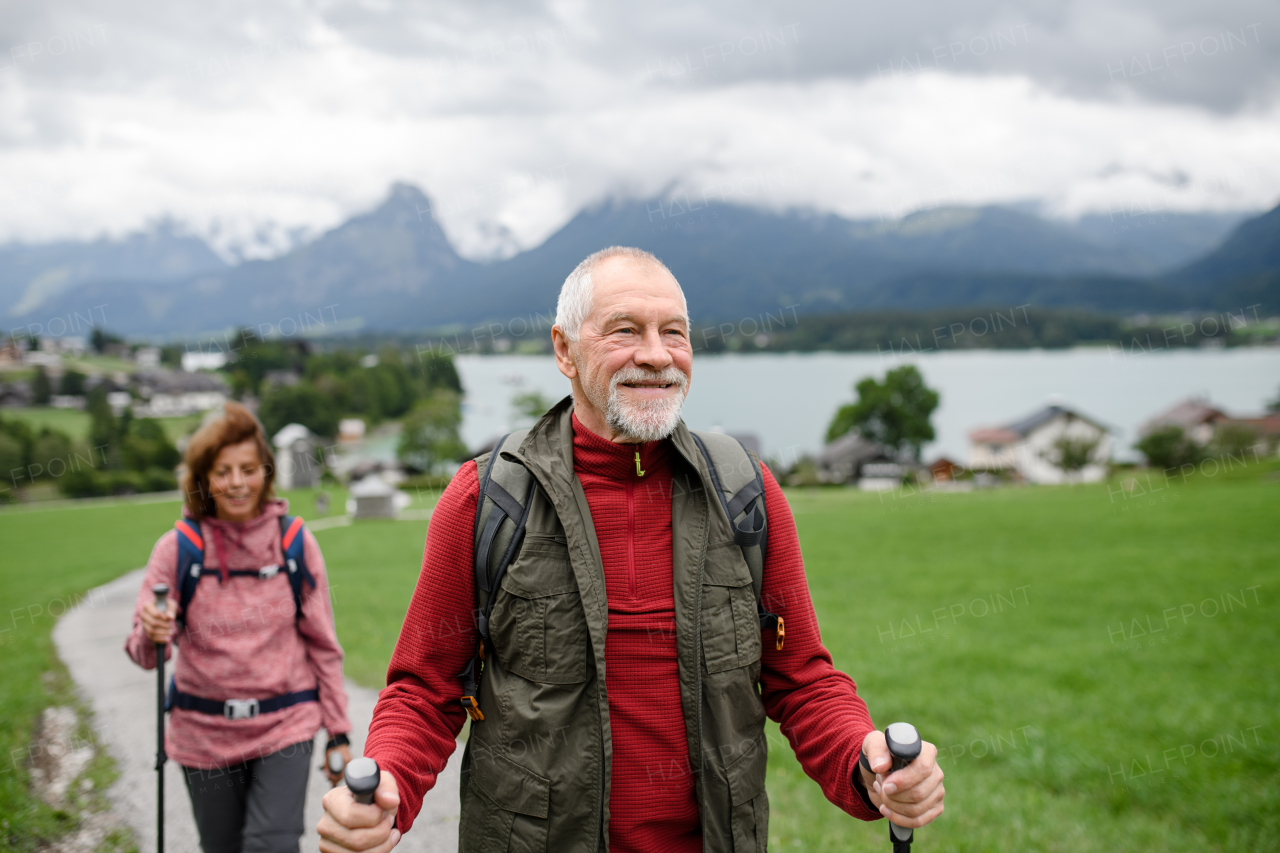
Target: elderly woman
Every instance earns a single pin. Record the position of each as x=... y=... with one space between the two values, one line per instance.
x=261 y=669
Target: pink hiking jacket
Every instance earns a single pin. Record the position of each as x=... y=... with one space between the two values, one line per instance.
x=242 y=642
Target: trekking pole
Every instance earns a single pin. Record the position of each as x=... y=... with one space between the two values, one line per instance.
x=161 y=592
x=336 y=764
x=362 y=776
x=904 y=745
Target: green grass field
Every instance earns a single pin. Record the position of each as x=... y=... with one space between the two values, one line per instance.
x=1098 y=669
x=75 y=422
x=1068 y=721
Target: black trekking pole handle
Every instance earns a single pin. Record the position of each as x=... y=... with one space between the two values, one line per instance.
x=904 y=745
x=161 y=592
x=362 y=777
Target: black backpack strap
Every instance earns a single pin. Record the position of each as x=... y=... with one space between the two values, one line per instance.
x=502 y=509
x=738 y=481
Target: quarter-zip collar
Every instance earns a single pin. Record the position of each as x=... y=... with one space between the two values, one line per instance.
x=596 y=455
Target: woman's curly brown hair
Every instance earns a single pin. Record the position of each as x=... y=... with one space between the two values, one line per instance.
x=236 y=424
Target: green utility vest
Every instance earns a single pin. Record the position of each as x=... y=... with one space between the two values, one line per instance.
x=537 y=766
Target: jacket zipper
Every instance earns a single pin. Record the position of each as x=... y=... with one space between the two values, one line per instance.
x=631 y=542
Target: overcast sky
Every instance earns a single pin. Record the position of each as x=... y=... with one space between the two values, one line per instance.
x=258 y=124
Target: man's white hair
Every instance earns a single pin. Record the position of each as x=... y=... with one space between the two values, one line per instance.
x=575 y=294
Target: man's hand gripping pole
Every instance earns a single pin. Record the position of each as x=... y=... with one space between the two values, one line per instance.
x=904 y=745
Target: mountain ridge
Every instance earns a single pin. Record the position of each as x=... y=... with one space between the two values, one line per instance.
x=393 y=268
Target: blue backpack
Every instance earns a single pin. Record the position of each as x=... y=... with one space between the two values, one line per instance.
x=191 y=563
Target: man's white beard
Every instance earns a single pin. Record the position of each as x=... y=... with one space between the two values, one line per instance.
x=645 y=420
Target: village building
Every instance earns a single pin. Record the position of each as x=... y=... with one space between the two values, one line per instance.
x=373 y=497
x=1031 y=448
x=296 y=463
x=10 y=353
x=193 y=361
x=856 y=460
x=1268 y=429
x=943 y=470
x=174 y=393
x=1195 y=416
x=351 y=430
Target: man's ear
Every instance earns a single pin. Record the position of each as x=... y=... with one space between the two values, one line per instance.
x=564 y=356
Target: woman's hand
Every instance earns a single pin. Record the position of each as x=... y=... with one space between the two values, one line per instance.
x=345 y=752
x=158 y=625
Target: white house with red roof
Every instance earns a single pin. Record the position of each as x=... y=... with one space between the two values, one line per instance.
x=1032 y=447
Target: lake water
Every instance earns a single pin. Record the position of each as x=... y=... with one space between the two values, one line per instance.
x=788 y=399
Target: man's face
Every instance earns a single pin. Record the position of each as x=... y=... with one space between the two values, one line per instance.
x=632 y=364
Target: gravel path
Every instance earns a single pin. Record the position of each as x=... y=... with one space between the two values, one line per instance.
x=90 y=639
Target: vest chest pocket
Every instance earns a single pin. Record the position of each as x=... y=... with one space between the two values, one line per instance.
x=538 y=625
x=730 y=626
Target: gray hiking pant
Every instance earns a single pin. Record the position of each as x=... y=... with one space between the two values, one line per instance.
x=254 y=807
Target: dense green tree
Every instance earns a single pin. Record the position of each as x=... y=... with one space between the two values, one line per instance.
x=439 y=371
x=147 y=446
x=171 y=355
x=51 y=456
x=894 y=412
x=1234 y=439
x=429 y=437
x=529 y=406
x=375 y=388
x=72 y=383
x=41 y=387
x=22 y=434
x=1169 y=447
x=101 y=338
x=253 y=357
x=1072 y=454
x=105 y=429
x=302 y=404
x=396 y=391
x=13 y=462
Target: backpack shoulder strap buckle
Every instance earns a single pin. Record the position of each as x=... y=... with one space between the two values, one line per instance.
x=473 y=708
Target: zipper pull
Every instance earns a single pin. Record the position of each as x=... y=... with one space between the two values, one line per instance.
x=639 y=470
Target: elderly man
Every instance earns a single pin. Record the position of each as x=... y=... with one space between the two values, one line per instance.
x=625 y=682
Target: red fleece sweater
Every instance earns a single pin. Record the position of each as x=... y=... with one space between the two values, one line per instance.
x=652 y=802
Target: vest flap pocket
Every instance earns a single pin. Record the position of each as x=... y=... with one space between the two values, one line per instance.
x=541 y=568
x=538 y=625
x=511 y=786
x=726 y=566
x=747 y=773
x=730 y=627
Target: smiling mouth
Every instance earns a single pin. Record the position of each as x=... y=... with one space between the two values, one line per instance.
x=648 y=385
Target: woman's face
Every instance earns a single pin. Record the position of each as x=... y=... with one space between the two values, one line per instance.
x=236 y=480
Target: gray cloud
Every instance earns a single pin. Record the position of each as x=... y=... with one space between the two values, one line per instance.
x=248 y=119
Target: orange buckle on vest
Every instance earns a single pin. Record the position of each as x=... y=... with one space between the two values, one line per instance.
x=473 y=708
x=781 y=634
